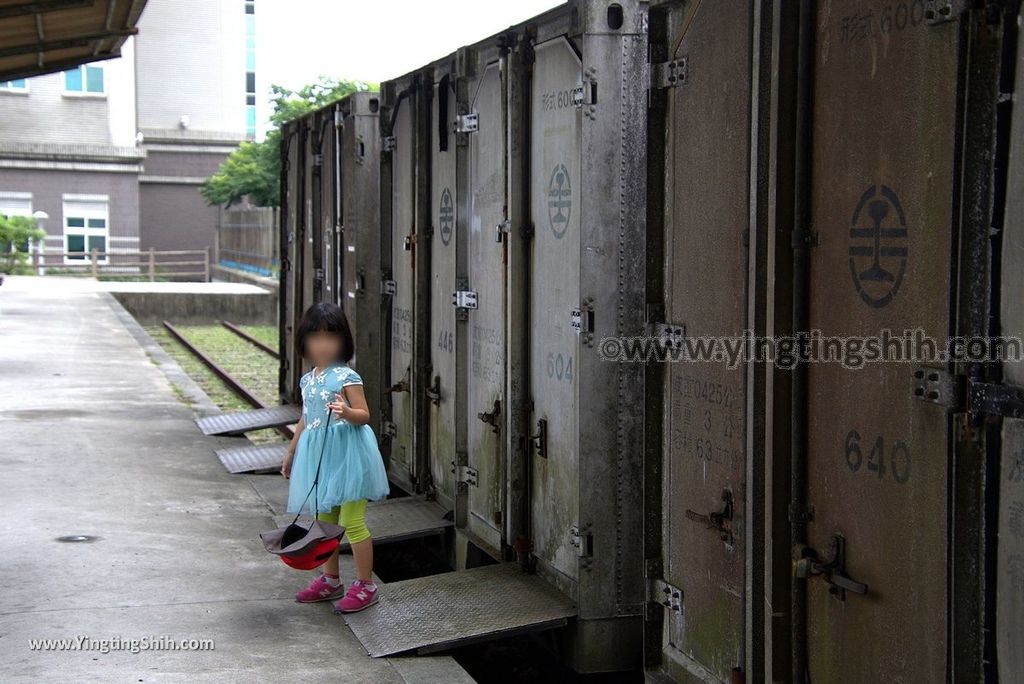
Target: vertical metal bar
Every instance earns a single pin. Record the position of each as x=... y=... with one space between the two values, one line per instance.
x=801 y=273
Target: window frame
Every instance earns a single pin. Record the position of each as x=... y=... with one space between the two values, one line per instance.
x=82 y=69
x=5 y=87
x=77 y=207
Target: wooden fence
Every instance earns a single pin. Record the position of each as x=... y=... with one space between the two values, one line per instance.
x=190 y=264
x=247 y=239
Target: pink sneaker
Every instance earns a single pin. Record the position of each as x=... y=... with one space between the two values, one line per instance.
x=359 y=597
x=320 y=590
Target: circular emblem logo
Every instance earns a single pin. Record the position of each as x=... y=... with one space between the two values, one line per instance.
x=559 y=200
x=878 y=246
x=446 y=214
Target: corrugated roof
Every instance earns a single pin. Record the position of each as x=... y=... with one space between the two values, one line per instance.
x=51 y=35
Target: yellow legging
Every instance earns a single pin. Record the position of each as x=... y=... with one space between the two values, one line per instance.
x=351 y=516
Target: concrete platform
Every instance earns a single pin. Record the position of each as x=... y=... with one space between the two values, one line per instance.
x=96 y=442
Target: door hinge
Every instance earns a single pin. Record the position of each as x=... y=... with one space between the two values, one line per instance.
x=467 y=123
x=585 y=93
x=318 y=159
x=387 y=143
x=582 y=320
x=941 y=11
x=670 y=74
x=661 y=592
x=388 y=429
x=464 y=474
x=937 y=386
x=463 y=299
x=388 y=288
x=582 y=541
x=666 y=335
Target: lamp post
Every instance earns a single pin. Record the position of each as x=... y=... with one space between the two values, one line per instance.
x=40 y=217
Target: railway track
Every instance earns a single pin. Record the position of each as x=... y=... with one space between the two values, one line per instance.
x=230 y=381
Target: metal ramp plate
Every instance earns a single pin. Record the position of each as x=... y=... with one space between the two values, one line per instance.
x=437 y=612
x=254 y=457
x=240 y=422
x=394 y=520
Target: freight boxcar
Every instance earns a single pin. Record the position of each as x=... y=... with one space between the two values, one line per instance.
x=512 y=201
x=682 y=171
x=835 y=168
x=330 y=231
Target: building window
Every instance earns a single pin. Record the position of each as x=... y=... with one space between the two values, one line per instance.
x=19 y=85
x=87 y=78
x=15 y=204
x=250 y=69
x=86 y=228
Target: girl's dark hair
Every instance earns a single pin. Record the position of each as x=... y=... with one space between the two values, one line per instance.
x=326 y=317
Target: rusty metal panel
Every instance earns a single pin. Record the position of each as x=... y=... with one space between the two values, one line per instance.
x=400 y=357
x=487 y=276
x=884 y=112
x=554 y=295
x=358 y=208
x=1010 y=561
x=442 y=349
x=291 y=264
x=705 y=282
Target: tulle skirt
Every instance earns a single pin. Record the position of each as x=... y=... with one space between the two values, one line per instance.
x=352 y=468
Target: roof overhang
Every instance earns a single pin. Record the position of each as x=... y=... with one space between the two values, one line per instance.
x=52 y=35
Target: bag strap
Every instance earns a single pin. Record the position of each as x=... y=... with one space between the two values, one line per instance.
x=316 y=478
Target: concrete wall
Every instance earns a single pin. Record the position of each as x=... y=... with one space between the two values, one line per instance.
x=192 y=308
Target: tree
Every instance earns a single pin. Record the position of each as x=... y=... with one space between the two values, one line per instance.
x=254 y=169
x=15 y=232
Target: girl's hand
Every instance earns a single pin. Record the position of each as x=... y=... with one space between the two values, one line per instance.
x=286 y=465
x=340 y=409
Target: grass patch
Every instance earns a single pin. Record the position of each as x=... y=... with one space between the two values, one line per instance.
x=252 y=367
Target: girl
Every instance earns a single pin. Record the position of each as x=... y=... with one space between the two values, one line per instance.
x=352 y=470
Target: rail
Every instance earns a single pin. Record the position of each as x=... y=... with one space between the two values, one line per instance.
x=181 y=263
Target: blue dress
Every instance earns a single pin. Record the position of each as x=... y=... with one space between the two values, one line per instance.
x=352 y=467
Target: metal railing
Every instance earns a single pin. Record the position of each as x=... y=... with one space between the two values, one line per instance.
x=191 y=264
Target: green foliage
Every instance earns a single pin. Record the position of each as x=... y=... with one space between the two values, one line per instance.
x=16 y=231
x=254 y=169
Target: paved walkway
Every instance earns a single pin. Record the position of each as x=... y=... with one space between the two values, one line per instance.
x=94 y=441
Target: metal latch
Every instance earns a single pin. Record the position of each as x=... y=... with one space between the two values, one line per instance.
x=387 y=143
x=540 y=440
x=434 y=391
x=832 y=570
x=717 y=520
x=995 y=399
x=464 y=474
x=388 y=288
x=501 y=229
x=492 y=418
x=467 y=123
x=670 y=74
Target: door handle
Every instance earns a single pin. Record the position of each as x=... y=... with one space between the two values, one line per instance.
x=832 y=570
x=717 y=520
